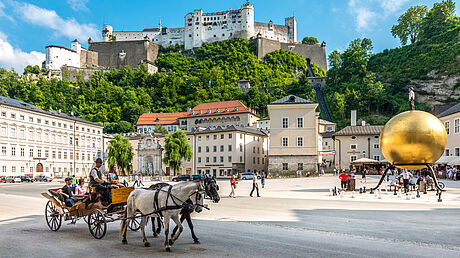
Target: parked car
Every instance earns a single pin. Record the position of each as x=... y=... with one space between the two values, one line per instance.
x=26 y=179
x=2 y=179
x=182 y=178
x=13 y=179
x=43 y=178
x=247 y=175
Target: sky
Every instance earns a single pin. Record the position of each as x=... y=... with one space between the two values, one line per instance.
x=27 y=27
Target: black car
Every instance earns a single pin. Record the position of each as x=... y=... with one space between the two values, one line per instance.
x=26 y=179
x=183 y=178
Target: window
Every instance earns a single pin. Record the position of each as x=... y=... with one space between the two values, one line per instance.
x=199 y=138
x=13 y=169
x=207 y=159
x=299 y=141
x=53 y=123
x=456 y=125
x=3 y=132
x=4 y=169
x=4 y=150
x=241 y=136
x=447 y=126
x=258 y=150
x=229 y=158
x=263 y=161
x=214 y=159
x=253 y=149
x=54 y=155
x=221 y=159
x=258 y=160
x=65 y=155
x=70 y=140
x=285 y=123
x=352 y=146
x=241 y=159
x=284 y=142
x=285 y=166
x=39 y=153
x=299 y=166
x=241 y=147
x=352 y=158
x=329 y=129
x=299 y=122
x=207 y=148
x=31 y=119
x=222 y=136
x=199 y=159
x=215 y=137
x=4 y=114
x=13 y=116
x=253 y=160
x=376 y=146
x=22 y=169
x=47 y=153
x=21 y=117
x=207 y=137
x=214 y=148
x=457 y=151
x=22 y=152
x=199 y=148
x=229 y=147
x=13 y=132
x=230 y=136
x=31 y=152
x=221 y=147
x=377 y=157
x=13 y=151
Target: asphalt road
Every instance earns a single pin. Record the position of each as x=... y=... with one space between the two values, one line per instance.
x=303 y=222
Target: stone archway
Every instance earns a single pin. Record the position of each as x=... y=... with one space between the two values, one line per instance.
x=39 y=168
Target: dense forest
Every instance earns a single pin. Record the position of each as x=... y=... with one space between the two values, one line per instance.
x=375 y=85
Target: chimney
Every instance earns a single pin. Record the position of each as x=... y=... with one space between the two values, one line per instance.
x=363 y=123
x=353 y=117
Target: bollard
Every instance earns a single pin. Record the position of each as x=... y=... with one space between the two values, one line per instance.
x=439 y=197
x=424 y=190
x=379 y=195
x=418 y=193
x=342 y=194
x=331 y=192
x=360 y=190
x=353 y=194
x=407 y=196
x=399 y=193
x=364 y=189
x=395 y=191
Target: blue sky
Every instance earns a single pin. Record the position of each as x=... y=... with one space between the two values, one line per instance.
x=26 y=27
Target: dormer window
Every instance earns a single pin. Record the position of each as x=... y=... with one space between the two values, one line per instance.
x=199 y=112
x=217 y=111
x=157 y=120
x=209 y=111
x=191 y=113
x=226 y=109
x=236 y=109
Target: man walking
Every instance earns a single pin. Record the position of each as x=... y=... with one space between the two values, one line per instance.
x=255 y=185
x=136 y=181
x=411 y=98
x=343 y=180
x=406 y=176
x=233 y=186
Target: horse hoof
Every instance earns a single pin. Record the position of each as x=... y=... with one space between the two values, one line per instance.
x=147 y=244
x=155 y=236
x=168 y=249
x=196 y=241
x=159 y=231
x=170 y=242
x=125 y=242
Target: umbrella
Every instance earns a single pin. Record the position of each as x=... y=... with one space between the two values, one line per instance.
x=365 y=161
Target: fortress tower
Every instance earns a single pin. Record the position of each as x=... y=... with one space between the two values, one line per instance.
x=291 y=24
x=107 y=32
x=247 y=20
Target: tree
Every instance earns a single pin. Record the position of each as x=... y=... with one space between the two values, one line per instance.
x=409 y=24
x=160 y=129
x=176 y=148
x=31 y=69
x=310 y=40
x=439 y=19
x=121 y=153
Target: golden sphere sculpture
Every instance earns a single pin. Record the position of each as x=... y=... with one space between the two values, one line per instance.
x=412 y=139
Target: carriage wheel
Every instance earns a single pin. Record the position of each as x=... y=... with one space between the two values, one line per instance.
x=53 y=218
x=97 y=224
x=134 y=224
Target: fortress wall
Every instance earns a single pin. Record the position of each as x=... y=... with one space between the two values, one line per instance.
x=88 y=58
x=70 y=73
x=136 y=51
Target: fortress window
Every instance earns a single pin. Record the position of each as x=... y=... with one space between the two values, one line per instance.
x=223 y=35
x=217 y=18
x=224 y=17
x=189 y=35
x=214 y=36
x=231 y=33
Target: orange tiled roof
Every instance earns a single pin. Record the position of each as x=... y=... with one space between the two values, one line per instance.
x=219 y=108
x=160 y=118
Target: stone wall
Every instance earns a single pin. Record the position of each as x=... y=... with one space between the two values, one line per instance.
x=70 y=72
x=135 y=52
x=88 y=58
x=275 y=164
x=315 y=53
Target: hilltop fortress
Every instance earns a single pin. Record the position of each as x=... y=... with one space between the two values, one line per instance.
x=202 y=28
x=132 y=48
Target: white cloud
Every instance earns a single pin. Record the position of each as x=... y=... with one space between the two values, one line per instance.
x=2 y=12
x=78 y=5
x=69 y=27
x=368 y=13
x=11 y=57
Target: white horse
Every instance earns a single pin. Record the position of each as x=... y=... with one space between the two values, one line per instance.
x=168 y=202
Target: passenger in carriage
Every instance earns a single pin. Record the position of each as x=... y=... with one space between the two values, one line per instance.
x=81 y=188
x=113 y=177
x=67 y=192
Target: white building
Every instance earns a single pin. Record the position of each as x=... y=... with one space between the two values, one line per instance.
x=203 y=27
x=57 y=56
x=35 y=141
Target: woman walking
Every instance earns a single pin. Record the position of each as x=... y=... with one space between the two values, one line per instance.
x=262 y=179
x=233 y=186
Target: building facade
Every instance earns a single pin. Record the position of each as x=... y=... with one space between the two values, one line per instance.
x=294 y=138
x=200 y=27
x=451 y=121
x=357 y=141
x=35 y=141
x=147 y=122
x=223 y=152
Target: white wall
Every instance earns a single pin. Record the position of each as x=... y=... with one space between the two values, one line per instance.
x=56 y=57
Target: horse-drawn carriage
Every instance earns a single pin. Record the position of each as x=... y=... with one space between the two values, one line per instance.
x=90 y=208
